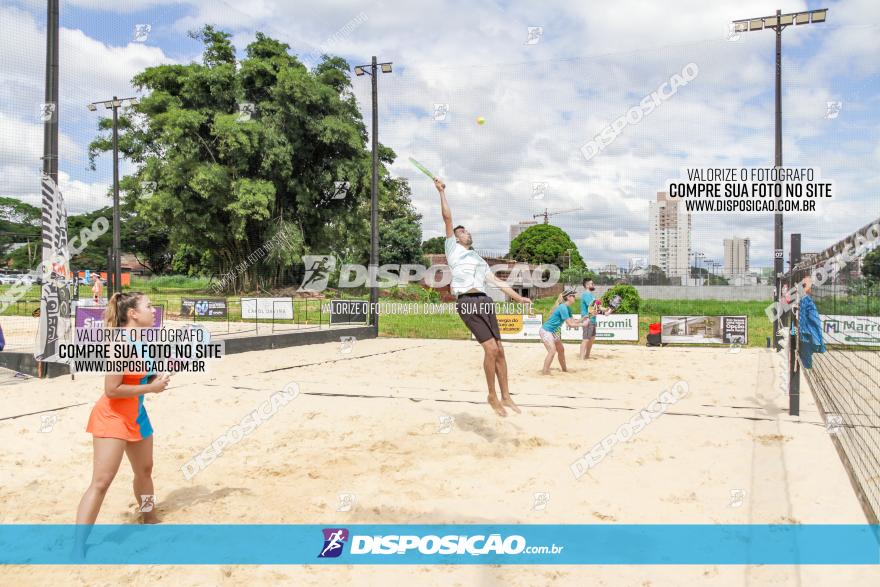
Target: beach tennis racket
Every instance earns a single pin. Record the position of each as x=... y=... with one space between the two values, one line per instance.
x=421 y=168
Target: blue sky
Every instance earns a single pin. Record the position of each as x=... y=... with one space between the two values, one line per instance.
x=541 y=101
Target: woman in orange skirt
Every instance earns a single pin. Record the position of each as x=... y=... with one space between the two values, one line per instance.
x=119 y=421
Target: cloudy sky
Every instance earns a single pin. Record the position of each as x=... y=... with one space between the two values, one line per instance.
x=542 y=100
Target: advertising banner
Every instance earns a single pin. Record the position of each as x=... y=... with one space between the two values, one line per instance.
x=93 y=317
x=203 y=307
x=704 y=329
x=267 y=308
x=851 y=330
x=525 y=327
x=611 y=327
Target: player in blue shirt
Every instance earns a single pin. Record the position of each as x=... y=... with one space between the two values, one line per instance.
x=590 y=306
x=550 y=331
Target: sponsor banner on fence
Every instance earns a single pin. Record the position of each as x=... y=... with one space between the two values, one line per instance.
x=705 y=329
x=275 y=308
x=203 y=307
x=612 y=327
x=93 y=317
x=525 y=327
x=519 y=326
x=851 y=330
x=348 y=311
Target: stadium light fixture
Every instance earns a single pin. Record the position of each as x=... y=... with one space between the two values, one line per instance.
x=114 y=104
x=777 y=23
x=372 y=69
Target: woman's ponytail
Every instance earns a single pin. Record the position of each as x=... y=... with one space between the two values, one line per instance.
x=116 y=314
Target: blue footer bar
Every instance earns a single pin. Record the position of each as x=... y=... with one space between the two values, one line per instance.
x=637 y=544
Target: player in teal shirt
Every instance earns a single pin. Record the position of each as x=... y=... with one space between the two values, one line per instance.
x=551 y=329
x=590 y=306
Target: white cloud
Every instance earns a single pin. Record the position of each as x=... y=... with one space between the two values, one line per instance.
x=543 y=101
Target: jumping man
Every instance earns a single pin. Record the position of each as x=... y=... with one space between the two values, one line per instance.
x=470 y=273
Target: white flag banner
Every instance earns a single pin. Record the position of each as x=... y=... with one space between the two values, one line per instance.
x=55 y=317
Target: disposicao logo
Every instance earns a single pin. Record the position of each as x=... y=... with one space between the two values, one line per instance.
x=334 y=540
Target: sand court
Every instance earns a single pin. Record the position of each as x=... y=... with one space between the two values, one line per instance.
x=398 y=431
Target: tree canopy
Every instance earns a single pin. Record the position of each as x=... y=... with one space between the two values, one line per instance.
x=871 y=265
x=546 y=244
x=229 y=153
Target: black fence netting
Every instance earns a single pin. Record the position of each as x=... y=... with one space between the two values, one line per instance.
x=837 y=321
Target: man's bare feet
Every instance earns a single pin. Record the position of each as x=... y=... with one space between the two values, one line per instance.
x=545 y=372
x=508 y=401
x=149 y=518
x=496 y=405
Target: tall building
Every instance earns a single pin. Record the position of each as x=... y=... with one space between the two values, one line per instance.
x=736 y=257
x=520 y=227
x=669 y=239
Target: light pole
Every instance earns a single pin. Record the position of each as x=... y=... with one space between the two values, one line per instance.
x=115 y=284
x=373 y=69
x=777 y=22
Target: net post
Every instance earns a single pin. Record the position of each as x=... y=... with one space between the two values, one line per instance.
x=794 y=375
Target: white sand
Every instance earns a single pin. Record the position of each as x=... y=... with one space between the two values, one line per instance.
x=731 y=432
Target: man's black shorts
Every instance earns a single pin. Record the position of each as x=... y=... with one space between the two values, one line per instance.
x=477 y=311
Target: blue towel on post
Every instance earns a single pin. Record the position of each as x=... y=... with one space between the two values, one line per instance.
x=811 y=332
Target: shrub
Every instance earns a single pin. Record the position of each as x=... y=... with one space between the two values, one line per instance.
x=629 y=298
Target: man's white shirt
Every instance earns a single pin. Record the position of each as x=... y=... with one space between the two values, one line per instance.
x=469 y=270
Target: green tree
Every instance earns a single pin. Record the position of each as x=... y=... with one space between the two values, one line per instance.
x=148 y=243
x=871 y=265
x=546 y=244
x=435 y=245
x=94 y=254
x=20 y=223
x=400 y=230
x=215 y=183
x=576 y=275
x=630 y=300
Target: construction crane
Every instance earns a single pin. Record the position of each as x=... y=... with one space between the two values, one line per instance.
x=547 y=214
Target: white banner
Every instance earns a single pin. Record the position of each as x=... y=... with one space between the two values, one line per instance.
x=525 y=327
x=55 y=325
x=611 y=327
x=277 y=308
x=851 y=330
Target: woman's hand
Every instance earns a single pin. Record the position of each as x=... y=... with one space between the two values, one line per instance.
x=159 y=384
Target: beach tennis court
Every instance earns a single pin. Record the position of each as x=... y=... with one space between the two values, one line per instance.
x=397 y=431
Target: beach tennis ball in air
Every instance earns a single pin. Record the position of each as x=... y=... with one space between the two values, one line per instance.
x=481 y=121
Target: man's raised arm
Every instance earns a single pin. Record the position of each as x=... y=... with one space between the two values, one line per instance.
x=444 y=206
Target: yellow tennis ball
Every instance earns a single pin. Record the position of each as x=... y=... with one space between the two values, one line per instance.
x=481 y=120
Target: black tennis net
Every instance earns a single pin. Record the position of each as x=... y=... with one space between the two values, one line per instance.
x=845 y=378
